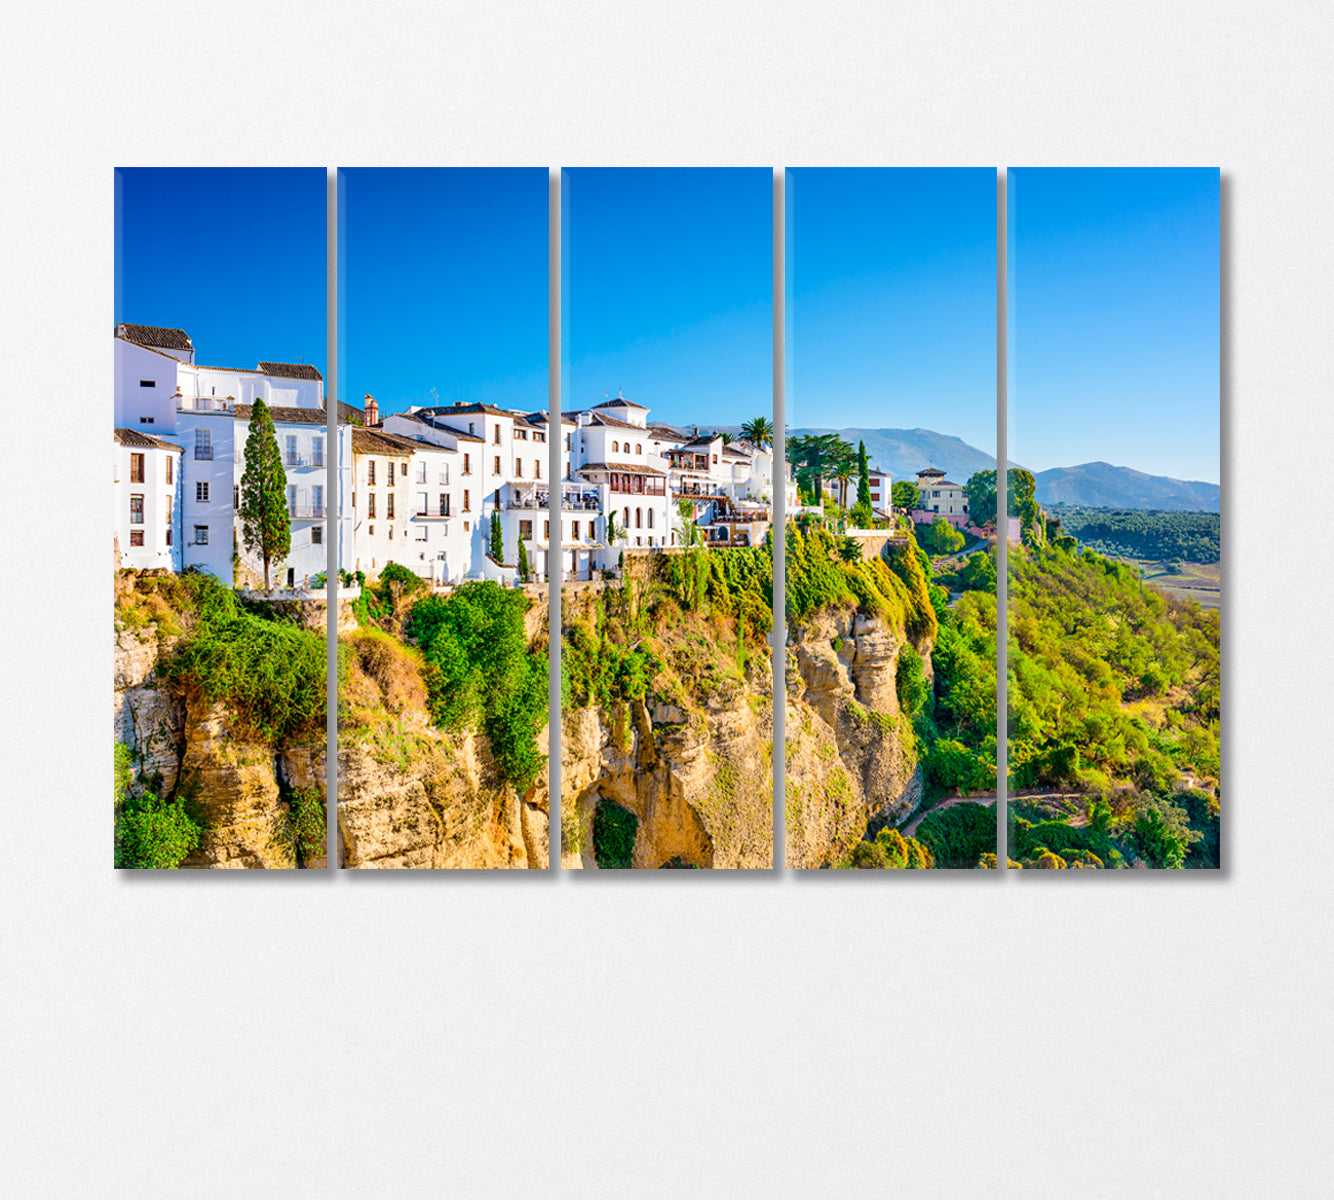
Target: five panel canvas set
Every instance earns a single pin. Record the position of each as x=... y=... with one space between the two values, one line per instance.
x=963 y=649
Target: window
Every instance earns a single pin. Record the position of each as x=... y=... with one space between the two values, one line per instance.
x=471 y=429
x=525 y=531
x=389 y=509
x=639 y=447
x=370 y=505
x=639 y=518
x=147 y=420
x=496 y=431
x=291 y=499
x=136 y=468
x=370 y=472
x=444 y=504
x=421 y=471
x=546 y=529
x=136 y=537
x=289 y=450
x=521 y=434
x=518 y=468
x=204 y=444
x=650 y=518
x=148 y=383
x=467 y=466
x=236 y=495
x=136 y=510
x=537 y=468
x=616 y=447
x=201 y=492
x=422 y=531
x=592 y=531
x=715 y=458
x=168 y=542
x=567 y=441
x=403 y=470
x=467 y=505
x=201 y=535
x=497 y=471
x=539 y=436
x=170 y=460
x=317 y=500
x=317 y=456
x=317 y=535
x=390 y=481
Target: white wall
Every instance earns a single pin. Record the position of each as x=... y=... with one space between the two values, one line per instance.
x=515 y=1036
x=161 y=507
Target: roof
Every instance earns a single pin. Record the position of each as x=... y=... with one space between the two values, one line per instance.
x=348 y=412
x=468 y=408
x=930 y=471
x=281 y=414
x=620 y=402
x=667 y=433
x=435 y=424
x=613 y=422
x=376 y=441
x=290 y=370
x=156 y=335
x=132 y=437
x=621 y=468
x=703 y=439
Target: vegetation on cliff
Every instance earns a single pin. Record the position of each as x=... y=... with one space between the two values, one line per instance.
x=151 y=832
x=479 y=669
x=1114 y=695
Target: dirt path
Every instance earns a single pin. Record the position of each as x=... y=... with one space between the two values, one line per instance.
x=910 y=829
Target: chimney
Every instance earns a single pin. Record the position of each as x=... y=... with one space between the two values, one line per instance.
x=372 y=411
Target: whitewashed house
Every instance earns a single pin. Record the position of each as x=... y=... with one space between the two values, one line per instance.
x=161 y=390
x=147 y=495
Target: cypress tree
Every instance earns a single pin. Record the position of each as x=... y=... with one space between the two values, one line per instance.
x=862 y=513
x=523 y=562
x=265 y=524
x=497 y=538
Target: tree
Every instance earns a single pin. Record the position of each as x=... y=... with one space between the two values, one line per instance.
x=905 y=494
x=497 y=538
x=981 y=492
x=523 y=562
x=940 y=538
x=611 y=527
x=863 y=515
x=265 y=522
x=759 y=432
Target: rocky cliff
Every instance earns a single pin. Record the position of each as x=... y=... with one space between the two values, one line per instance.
x=851 y=760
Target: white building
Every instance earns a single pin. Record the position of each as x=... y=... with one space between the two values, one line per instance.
x=205 y=410
x=940 y=497
x=147 y=500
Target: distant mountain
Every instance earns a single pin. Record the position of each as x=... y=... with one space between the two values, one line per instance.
x=904 y=452
x=1101 y=485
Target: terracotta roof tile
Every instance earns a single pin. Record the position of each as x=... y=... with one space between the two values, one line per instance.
x=132 y=437
x=155 y=335
x=290 y=370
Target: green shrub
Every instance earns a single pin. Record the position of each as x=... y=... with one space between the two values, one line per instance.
x=150 y=833
x=959 y=836
x=913 y=688
x=614 y=831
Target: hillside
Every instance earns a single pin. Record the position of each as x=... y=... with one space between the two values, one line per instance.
x=904 y=452
x=1101 y=485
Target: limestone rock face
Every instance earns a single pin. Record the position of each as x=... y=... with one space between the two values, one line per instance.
x=145 y=717
x=436 y=803
x=701 y=789
x=850 y=758
x=233 y=785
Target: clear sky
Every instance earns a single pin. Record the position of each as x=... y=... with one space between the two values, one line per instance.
x=668 y=291
x=234 y=256
x=443 y=285
x=1113 y=319
x=891 y=300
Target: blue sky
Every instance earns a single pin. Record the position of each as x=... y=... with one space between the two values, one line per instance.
x=234 y=256
x=891 y=300
x=668 y=291
x=443 y=285
x=1113 y=319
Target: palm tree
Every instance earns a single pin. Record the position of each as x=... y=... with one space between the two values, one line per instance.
x=759 y=432
x=843 y=473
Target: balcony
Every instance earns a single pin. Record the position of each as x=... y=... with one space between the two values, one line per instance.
x=203 y=454
x=569 y=502
x=203 y=404
x=306 y=512
x=302 y=460
x=426 y=514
